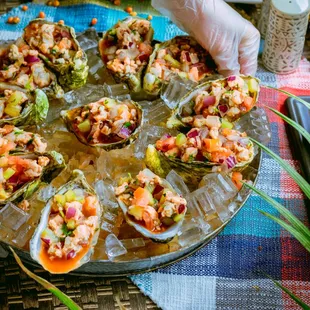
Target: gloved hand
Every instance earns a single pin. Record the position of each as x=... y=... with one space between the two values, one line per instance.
x=232 y=41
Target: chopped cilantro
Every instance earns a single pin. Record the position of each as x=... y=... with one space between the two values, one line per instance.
x=53 y=51
x=127 y=124
x=65 y=230
x=18 y=132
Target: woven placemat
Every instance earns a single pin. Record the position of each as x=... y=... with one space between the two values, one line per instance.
x=18 y=291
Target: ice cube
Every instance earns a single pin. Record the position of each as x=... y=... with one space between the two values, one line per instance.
x=177 y=183
x=46 y=193
x=23 y=236
x=175 y=89
x=191 y=231
x=105 y=192
x=149 y=135
x=117 y=91
x=3 y=253
x=12 y=217
x=106 y=226
x=133 y=243
x=256 y=125
x=114 y=247
x=88 y=39
x=155 y=112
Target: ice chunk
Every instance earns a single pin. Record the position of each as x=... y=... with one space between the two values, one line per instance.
x=46 y=193
x=177 y=183
x=256 y=125
x=12 y=217
x=191 y=231
x=155 y=112
x=133 y=243
x=88 y=39
x=106 y=226
x=106 y=194
x=249 y=175
x=149 y=135
x=23 y=236
x=114 y=247
x=175 y=89
x=117 y=91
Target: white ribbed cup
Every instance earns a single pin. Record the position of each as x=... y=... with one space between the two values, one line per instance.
x=285 y=37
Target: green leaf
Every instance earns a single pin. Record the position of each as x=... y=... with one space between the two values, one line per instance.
x=53 y=289
x=302 y=238
x=303 y=184
x=296 y=223
x=307 y=104
x=288 y=292
x=298 y=127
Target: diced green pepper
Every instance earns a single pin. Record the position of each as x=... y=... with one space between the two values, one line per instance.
x=226 y=124
x=71 y=224
x=15 y=98
x=61 y=199
x=180 y=139
x=70 y=196
x=8 y=173
x=3 y=194
x=84 y=126
x=173 y=62
x=12 y=110
x=178 y=217
x=253 y=85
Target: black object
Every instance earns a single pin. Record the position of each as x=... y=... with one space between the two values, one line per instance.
x=301 y=147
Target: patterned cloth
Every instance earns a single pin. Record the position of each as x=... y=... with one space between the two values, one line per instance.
x=229 y=272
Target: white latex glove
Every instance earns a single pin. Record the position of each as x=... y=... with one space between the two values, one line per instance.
x=232 y=41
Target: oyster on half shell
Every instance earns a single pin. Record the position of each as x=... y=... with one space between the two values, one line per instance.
x=151 y=205
x=68 y=228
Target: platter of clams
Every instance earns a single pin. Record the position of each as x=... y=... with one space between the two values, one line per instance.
x=120 y=154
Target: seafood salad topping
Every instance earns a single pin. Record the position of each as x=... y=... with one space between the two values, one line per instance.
x=183 y=56
x=214 y=143
x=12 y=138
x=20 y=65
x=52 y=40
x=15 y=171
x=72 y=222
x=12 y=103
x=150 y=202
x=105 y=121
x=127 y=47
x=229 y=98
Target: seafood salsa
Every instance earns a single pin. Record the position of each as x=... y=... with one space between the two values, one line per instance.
x=52 y=40
x=228 y=98
x=182 y=56
x=126 y=48
x=20 y=65
x=150 y=202
x=71 y=225
x=105 y=121
x=213 y=143
x=16 y=171
x=13 y=138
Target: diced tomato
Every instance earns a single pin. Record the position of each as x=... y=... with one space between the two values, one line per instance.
x=237 y=178
x=211 y=145
x=165 y=145
x=89 y=206
x=145 y=48
x=248 y=102
x=219 y=157
x=149 y=224
x=142 y=197
x=7 y=147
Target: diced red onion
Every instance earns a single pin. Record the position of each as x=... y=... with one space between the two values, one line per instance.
x=199 y=156
x=70 y=212
x=32 y=59
x=207 y=101
x=71 y=254
x=204 y=131
x=143 y=57
x=231 y=78
x=181 y=209
x=223 y=108
x=124 y=133
x=231 y=162
x=187 y=57
x=157 y=189
x=193 y=133
x=45 y=240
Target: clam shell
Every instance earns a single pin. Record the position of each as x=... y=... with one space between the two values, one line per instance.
x=163 y=237
x=77 y=181
x=73 y=74
x=175 y=119
x=55 y=165
x=68 y=116
x=134 y=81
